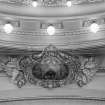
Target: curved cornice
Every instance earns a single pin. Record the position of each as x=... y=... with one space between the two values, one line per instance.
x=72 y=36
x=76 y=10
x=63 y=46
x=32 y=94
x=30 y=36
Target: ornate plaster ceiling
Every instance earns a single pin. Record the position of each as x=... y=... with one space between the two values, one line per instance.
x=51 y=54
x=71 y=24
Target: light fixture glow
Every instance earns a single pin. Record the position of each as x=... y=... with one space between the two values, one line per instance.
x=51 y=30
x=8 y=28
x=34 y=3
x=69 y=3
x=94 y=27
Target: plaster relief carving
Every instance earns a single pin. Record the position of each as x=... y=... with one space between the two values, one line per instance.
x=50 y=68
x=87 y=71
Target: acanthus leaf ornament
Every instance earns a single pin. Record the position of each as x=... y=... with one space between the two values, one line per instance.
x=51 y=68
x=87 y=71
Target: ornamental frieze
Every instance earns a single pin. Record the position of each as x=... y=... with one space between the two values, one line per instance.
x=52 y=3
x=50 y=68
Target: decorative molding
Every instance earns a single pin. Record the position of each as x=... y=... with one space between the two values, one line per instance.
x=88 y=70
x=87 y=1
x=51 y=68
x=71 y=34
x=50 y=3
x=53 y=12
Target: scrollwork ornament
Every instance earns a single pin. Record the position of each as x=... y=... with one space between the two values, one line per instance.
x=50 y=69
x=87 y=72
x=20 y=79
